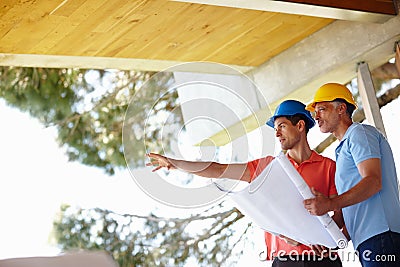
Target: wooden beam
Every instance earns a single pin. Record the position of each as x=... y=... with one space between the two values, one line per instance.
x=397 y=56
x=368 y=97
x=375 y=11
x=374 y=6
x=50 y=61
x=387 y=71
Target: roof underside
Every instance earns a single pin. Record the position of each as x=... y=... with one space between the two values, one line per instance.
x=151 y=33
x=153 y=30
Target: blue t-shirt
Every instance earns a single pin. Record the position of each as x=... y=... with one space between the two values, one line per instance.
x=381 y=212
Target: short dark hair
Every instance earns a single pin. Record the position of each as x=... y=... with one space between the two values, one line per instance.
x=349 y=107
x=294 y=119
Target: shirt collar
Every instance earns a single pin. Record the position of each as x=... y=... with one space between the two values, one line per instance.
x=349 y=130
x=315 y=157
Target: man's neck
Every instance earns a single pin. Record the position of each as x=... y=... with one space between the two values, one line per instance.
x=342 y=129
x=300 y=153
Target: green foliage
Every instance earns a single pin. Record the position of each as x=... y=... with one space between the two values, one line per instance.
x=150 y=240
x=88 y=109
x=47 y=94
x=152 y=119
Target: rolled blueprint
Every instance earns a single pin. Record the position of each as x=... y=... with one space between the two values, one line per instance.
x=306 y=193
x=274 y=202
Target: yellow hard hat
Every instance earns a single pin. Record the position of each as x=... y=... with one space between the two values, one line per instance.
x=330 y=92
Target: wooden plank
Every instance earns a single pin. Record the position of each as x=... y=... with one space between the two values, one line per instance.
x=111 y=30
x=141 y=25
x=190 y=21
x=50 y=42
x=54 y=41
x=118 y=23
x=66 y=8
x=269 y=40
x=368 y=97
x=36 y=33
x=38 y=25
x=232 y=32
x=83 y=20
x=111 y=35
x=283 y=38
x=6 y=5
x=109 y=38
x=11 y=19
x=121 y=12
x=31 y=26
x=155 y=31
x=203 y=33
x=254 y=34
x=200 y=28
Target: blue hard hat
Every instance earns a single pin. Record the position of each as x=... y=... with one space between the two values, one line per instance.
x=290 y=108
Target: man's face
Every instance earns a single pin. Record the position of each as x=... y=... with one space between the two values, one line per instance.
x=288 y=135
x=326 y=116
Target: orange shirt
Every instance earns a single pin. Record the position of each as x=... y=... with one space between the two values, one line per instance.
x=318 y=172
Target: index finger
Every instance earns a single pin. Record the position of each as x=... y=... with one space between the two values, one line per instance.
x=152 y=155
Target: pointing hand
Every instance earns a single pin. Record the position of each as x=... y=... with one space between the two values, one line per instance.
x=159 y=161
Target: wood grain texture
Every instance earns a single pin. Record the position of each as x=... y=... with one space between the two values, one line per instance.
x=150 y=29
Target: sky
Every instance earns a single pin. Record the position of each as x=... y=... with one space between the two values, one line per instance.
x=36 y=178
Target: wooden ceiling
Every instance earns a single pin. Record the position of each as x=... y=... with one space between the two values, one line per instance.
x=161 y=30
x=155 y=29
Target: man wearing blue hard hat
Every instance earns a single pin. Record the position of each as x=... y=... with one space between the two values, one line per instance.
x=291 y=122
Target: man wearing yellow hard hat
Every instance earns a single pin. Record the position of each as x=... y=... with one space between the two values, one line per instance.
x=365 y=178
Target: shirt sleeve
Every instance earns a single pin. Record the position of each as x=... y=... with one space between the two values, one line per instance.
x=258 y=165
x=332 y=186
x=364 y=143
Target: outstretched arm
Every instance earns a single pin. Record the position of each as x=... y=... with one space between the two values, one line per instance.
x=237 y=171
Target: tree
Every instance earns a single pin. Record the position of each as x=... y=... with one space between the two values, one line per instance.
x=89 y=116
x=89 y=120
x=151 y=240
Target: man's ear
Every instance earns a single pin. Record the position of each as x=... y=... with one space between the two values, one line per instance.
x=301 y=125
x=342 y=108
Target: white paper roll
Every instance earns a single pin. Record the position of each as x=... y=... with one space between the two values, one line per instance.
x=306 y=193
x=274 y=202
